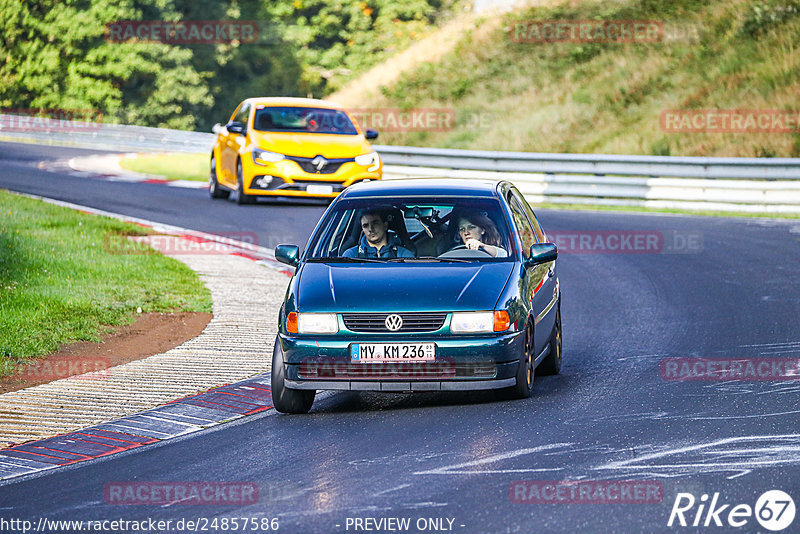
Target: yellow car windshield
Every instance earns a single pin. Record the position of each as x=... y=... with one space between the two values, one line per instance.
x=303 y=120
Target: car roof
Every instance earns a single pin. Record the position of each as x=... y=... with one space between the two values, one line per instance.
x=423 y=187
x=292 y=102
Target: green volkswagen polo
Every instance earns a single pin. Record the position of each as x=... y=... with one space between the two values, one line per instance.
x=419 y=285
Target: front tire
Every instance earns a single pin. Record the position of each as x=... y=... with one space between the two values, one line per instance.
x=287 y=400
x=525 y=371
x=241 y=197
x=214 y=190
x=551 y=365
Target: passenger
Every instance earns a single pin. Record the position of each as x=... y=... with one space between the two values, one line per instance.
x=377 y=240
x=478 y=232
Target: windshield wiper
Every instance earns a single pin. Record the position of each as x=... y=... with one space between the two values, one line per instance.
x=345 y=259
x=429 y=259
x=421 y=259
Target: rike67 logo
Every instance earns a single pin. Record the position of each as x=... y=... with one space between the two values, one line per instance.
x=774 y=510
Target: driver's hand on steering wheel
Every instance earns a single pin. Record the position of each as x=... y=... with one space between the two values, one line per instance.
x=473 y=244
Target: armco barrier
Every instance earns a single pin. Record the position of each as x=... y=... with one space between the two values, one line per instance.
x=598 y=164
x=725 y=184
x=778 y=196
x=105 y=136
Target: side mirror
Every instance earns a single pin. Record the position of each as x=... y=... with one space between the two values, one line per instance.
x=542 y=253
x=235 y=127
x=371 y=134
x=288 y=254
x=216 y=128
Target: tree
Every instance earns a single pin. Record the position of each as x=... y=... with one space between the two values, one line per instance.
x=57 y=57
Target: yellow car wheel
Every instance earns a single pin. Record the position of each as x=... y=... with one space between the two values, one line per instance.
x=214 y=190
x=242 y=197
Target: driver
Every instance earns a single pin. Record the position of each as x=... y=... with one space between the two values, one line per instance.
x=376 y=240
x=478 y=232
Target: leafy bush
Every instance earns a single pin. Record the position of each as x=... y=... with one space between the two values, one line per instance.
x=765 y=15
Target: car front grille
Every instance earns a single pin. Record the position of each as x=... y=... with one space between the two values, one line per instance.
x=330 y=167
x=376 y=322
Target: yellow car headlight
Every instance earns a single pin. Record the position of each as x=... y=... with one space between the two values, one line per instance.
x=371 y=160
x=264 y=156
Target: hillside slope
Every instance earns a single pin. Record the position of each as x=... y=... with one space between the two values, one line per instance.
x=608 y=97
x=431 y=48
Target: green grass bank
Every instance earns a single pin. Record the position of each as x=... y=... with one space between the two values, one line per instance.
x=60 y=282
x=608 y=97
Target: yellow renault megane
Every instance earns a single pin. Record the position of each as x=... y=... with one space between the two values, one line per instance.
x=290 y=147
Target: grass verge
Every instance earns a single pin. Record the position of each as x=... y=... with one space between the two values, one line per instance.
x=59 y=283
x=171 y=166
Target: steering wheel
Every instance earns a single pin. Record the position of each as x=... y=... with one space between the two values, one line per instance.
x=461 y=251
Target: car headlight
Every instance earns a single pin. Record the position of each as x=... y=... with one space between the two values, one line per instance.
x=317 y=323
x=261 y=156
x=472 y=322
x=371 y=160
x=479 y=322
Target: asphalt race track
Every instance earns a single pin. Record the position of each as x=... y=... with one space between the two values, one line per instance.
x=722 y=288
x=188 y=208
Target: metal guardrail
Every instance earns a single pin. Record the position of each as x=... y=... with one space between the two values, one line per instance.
x=723 y=184
x=119 y=137
x=597 y=164
x=740 y=184
x=678 y=193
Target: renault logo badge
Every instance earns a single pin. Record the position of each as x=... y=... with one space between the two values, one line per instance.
x=394 y=322
x=319 y=162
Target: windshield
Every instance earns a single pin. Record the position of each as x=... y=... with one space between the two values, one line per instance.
x=300 y=119
x=413 y=230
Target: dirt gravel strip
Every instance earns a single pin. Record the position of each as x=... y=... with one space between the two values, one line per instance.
x=235 y=345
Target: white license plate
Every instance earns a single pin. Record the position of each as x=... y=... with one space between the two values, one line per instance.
x=320 y=189
x=392 y=352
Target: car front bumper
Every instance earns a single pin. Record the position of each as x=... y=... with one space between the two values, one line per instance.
x=401 y=386
x=463 y=363
x=286 y=178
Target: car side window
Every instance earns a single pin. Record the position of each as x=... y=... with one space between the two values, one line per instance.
x=526 y=233
x=539 y=232
x=243 y=114
x=235 y=113
x=540 y=237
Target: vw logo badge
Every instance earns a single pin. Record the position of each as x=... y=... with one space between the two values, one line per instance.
x=319 y=162
x=394 y=322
